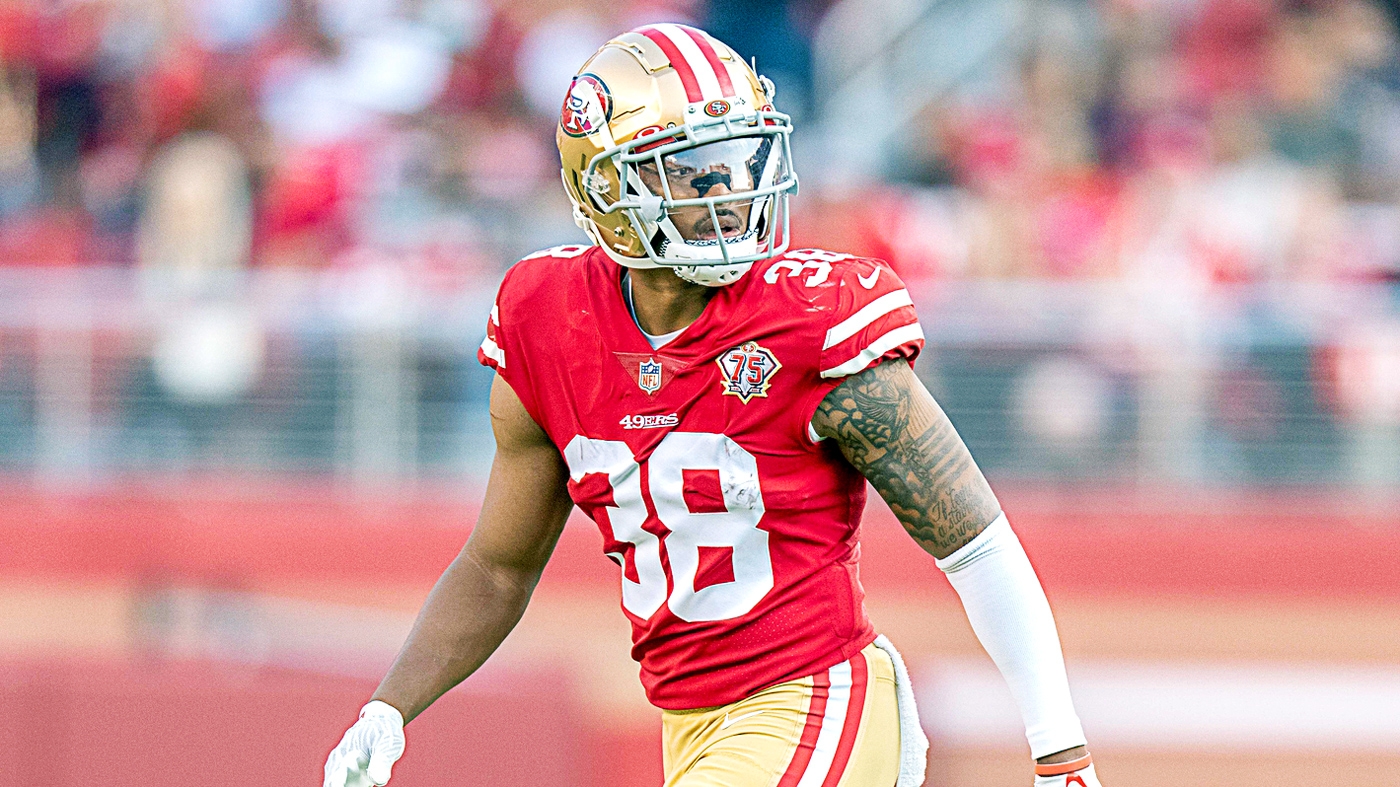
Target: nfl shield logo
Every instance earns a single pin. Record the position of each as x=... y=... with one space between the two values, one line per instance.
x=649 y=376
x=747 y=370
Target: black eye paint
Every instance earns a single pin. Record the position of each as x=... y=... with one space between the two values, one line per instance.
x=704 y=183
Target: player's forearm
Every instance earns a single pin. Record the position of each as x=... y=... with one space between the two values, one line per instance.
x=896 y=435
x=1012 y=619
x=469 y=612
x=481 y=596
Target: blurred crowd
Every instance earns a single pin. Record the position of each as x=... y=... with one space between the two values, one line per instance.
x=1171 y=148
x=1220 y=140
x=214 y=134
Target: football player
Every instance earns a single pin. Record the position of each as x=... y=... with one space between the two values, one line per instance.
x=716 y=403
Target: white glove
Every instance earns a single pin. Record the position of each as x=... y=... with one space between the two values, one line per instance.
x=1077 y=773
x=369 y=749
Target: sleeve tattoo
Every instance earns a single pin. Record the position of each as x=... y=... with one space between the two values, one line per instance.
x=890 y=429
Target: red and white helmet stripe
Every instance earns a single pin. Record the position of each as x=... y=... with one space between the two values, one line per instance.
x=696 y=59
x=706 y=45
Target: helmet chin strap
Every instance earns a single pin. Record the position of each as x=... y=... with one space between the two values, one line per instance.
x=706 y=275
x=712 y=275
x=639 y=263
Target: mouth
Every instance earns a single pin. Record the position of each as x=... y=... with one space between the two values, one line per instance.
x=729 y=223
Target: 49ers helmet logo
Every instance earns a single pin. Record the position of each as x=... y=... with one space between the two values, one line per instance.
x=747 y=370
x=717 y=108
x=587 y=108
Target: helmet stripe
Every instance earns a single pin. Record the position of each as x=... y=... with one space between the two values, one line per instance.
x=678 y=62
x=707 y=48
x=695 y=58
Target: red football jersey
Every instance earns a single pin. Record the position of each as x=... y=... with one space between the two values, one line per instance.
x=736 y=532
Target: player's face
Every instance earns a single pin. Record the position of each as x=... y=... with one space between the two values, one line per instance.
x=713 y=170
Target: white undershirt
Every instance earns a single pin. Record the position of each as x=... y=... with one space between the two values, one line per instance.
x=656 y=342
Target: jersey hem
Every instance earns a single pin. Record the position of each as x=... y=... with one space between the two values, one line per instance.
x=843 y=653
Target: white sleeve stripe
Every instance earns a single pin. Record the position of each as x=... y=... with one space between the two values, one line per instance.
x=868 y=313
x=493 y=351
x=877 y=348
x=495 y=315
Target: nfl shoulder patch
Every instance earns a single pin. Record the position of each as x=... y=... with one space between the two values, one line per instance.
x=747 y=370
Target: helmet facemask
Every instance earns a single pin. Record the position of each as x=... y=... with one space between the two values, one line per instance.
x=706 y=199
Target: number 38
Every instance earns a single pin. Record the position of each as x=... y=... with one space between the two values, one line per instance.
x=735 y=528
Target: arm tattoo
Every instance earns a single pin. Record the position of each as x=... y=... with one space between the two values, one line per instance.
x=892 y=431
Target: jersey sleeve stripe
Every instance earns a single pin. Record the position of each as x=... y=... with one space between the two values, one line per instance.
x=867 y=314
x=493 y=351
x=877 y=348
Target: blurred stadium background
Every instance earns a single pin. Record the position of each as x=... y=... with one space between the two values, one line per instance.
x=247 y=247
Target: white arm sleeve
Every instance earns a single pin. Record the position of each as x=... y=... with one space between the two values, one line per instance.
x=1011 y=617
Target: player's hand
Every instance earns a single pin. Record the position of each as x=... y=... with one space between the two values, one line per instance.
x=1077 y=773
x=369 y=749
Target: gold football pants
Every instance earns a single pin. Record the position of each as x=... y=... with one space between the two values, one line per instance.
x=838 y=728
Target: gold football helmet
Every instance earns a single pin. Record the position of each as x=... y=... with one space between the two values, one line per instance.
x=673 y=155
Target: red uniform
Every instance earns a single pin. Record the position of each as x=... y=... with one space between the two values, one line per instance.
x=736 y=532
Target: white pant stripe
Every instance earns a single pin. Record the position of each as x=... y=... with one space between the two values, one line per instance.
x=838 y=701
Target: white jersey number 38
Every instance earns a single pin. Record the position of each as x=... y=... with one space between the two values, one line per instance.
x=735 y=528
